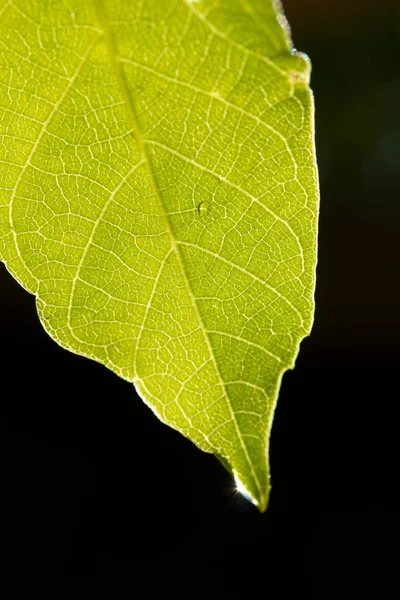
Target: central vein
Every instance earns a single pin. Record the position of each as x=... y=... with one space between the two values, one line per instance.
x=123 y=84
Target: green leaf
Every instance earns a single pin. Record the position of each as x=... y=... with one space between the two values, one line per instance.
x=159 y=197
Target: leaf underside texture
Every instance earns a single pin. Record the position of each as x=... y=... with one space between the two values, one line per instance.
x=159 y=197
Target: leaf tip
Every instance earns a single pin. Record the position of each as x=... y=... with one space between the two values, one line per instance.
x=261 y=502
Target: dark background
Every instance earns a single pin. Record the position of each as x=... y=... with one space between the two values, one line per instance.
x=92 y=483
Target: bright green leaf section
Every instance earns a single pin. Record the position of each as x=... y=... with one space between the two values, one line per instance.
x=159 y=196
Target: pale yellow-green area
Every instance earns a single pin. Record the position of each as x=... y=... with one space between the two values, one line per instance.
x=159 y=197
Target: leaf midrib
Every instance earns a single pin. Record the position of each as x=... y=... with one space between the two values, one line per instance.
x=124 y=89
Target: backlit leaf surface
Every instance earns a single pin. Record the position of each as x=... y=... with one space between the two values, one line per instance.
x=159 y=197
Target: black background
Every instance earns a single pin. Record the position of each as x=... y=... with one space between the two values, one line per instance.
x=92 y=483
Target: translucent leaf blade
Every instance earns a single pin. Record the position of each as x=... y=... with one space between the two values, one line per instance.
x=159 y=196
